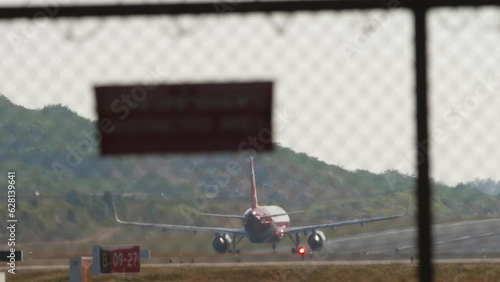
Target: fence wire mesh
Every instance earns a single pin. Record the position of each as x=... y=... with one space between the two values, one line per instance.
x=343 y=120
x=464 y=80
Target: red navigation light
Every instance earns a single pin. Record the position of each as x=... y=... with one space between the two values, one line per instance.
x=301 y=250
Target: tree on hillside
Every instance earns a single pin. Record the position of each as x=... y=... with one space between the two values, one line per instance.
x=73 y=198
x=70 y=215
x=108 y=199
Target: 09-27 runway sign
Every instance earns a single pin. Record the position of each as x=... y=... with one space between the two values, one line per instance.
x=120 y=259
x=183 y=117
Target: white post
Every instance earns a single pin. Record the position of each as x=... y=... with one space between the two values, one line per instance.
x=96 y=260
x=75 y=269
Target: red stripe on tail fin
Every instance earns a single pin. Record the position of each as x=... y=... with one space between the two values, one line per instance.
x=254 y=191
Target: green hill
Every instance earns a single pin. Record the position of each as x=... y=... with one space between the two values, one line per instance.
x=64 y=187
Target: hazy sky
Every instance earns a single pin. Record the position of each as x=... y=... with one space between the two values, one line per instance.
x=343 y=81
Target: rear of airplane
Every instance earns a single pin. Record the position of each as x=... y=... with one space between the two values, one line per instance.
x=271 y=211
x=253 y=191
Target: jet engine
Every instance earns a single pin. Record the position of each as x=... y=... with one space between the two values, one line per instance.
x=221 y=243
x=316 y=240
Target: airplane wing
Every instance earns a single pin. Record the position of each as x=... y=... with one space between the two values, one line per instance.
x=243 y=217
x=336 y=224
x=232 y=231
x=280 y=214
x=292 y=230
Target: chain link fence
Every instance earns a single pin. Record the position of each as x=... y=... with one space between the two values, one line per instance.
x=344 y=120
x=464 y=79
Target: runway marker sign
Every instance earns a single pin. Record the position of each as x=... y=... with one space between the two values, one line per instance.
x=120 y=259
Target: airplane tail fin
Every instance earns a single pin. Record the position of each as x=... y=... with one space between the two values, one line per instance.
x=253 y=190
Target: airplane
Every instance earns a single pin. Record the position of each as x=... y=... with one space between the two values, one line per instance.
x=261 y=224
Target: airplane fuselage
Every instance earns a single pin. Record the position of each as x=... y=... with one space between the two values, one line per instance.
x=267 y=229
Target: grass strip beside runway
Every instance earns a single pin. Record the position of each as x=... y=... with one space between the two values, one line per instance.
x=306 y=272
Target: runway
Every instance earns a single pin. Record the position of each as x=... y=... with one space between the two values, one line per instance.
x=460 y=242
x=460 y=239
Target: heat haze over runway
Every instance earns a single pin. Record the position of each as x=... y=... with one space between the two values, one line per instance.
x=459 y=239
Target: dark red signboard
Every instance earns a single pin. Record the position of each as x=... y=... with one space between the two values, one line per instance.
x=126 y=259
x=184 y=117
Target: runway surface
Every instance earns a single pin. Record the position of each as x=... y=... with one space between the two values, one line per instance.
x=460 y=239
x=461 y=242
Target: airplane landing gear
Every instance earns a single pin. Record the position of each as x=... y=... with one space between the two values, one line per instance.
x=274 y=248
x=235 y=243
x=295 y=242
